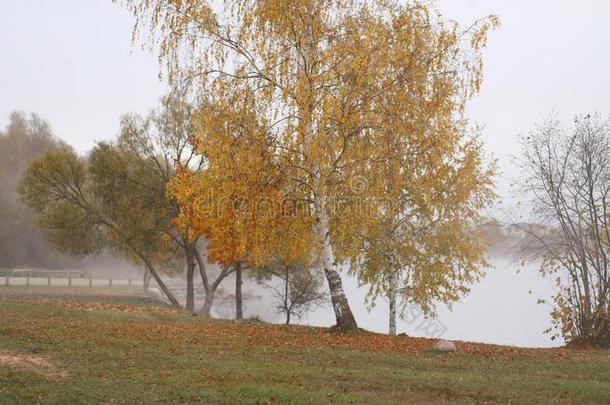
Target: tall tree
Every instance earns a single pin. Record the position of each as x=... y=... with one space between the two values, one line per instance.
x=316 y=71
x=132 y=175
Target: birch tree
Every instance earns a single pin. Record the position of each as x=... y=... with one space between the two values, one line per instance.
x=316 y=70
x=421 y=246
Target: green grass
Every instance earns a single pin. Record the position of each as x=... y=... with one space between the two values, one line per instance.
x=117 y=346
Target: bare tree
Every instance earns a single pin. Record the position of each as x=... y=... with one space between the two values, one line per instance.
x=567 y=178
x=300 y=289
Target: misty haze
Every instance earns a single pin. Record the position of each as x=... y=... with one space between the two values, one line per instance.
x=304 y=201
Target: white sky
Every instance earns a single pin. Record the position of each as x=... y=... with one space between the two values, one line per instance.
x=71 y=61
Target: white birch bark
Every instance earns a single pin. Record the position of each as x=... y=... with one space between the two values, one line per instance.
x=392 y=286
x=343 y=313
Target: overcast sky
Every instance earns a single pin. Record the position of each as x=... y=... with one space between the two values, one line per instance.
x=71 y=61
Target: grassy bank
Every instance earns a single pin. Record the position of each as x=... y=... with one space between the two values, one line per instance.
x=61 y=345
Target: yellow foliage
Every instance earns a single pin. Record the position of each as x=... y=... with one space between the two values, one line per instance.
x=338 y=107
x=238 y=202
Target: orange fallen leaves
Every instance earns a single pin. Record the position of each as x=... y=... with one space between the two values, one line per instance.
x=267 y=337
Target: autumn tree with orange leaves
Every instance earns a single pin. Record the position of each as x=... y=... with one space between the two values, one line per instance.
x=327 y=80
x=239 y=202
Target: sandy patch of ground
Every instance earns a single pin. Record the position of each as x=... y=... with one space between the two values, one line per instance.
x=34 y=363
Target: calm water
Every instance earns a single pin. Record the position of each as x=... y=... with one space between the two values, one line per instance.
x=501 y=309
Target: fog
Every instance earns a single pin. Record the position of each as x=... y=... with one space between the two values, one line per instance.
x=501 y=309
x=72 y=62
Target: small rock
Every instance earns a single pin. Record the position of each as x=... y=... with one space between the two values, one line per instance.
x=444 y=346
x=403 y=334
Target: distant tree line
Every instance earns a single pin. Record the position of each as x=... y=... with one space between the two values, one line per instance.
x=21 y=243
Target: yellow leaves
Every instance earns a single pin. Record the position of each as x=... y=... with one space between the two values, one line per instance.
x=479 y=37
x=303 y=97
x=238 y=202
x=242 y=224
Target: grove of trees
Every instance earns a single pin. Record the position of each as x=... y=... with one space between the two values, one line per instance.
x=303 y=138
x=306 y=104
x=299 y=135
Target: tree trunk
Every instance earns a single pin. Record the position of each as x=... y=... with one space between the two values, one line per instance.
x=161 y=284
x=150 y=268
x=210 y=288
x=286 y=294
x=343 y=313
x=146 y=279
x=239 y=312
x=190 y=287
x=392 y=299
x=209 y=300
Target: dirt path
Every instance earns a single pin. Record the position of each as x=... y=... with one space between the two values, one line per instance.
x=36 y=364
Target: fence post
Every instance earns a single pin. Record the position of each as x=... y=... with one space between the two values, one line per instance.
x=130 y=282
x=110 y=282
x=27 y=281
x=6 y=282
x=90 y=282
x=69 y=281
x=49 y=281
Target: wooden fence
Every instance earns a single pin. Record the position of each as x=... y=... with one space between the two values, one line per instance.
x=68 y=282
